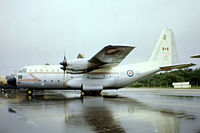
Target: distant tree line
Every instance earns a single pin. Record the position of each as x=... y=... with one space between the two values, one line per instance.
x=165 y=79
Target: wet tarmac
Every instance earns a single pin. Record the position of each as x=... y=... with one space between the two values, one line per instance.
x=125 y=110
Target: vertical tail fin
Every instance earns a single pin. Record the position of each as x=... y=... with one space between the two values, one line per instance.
x=165 y=50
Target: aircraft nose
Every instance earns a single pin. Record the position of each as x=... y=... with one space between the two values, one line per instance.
x=12 y=81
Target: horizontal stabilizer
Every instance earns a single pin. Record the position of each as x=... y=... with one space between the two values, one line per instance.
x=166 y=68
x=196 y=56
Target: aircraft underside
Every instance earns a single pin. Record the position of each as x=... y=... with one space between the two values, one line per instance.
x=83 y=92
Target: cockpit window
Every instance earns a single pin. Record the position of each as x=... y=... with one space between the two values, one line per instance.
x=23 y=70
x=19 y=76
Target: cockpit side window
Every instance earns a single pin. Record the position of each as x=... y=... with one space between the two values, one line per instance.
x=19 y=76
x=23 y=70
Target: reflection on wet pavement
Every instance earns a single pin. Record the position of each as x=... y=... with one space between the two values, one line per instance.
x=124 y=111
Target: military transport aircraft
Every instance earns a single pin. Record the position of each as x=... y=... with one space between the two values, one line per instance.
x=100 y=72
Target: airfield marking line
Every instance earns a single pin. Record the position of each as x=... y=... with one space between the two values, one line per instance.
x=170 y=92
x=163 y=90
x=193 y=106
x=175 y=93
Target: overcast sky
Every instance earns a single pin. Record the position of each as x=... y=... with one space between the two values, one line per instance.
x=39 y=31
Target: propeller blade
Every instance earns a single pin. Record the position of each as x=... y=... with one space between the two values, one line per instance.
x=63 y=68
x=64 y=64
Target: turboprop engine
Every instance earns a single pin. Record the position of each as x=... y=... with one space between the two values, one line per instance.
x=79 y=65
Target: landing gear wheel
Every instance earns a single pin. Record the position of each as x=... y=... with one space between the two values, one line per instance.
x=29 y=92
x=29 y=97
x=91 y=93
x=100 y=93
x=82 y=93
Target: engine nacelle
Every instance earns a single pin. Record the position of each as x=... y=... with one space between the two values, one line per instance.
x=79 y=65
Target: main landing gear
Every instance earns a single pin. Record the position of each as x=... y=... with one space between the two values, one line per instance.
x=91 y=93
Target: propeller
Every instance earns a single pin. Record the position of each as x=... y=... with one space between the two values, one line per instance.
x=64 y=64
x=64 y=68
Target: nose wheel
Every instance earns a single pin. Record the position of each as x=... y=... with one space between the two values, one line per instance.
x=29 y=92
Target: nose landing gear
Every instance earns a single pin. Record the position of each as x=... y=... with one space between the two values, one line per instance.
x=29 y=94
x=29 y=91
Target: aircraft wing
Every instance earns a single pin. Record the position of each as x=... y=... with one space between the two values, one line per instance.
x=111 y=55
x=166 y=68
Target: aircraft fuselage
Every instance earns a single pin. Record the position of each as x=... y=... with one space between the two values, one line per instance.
x=52 y=77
